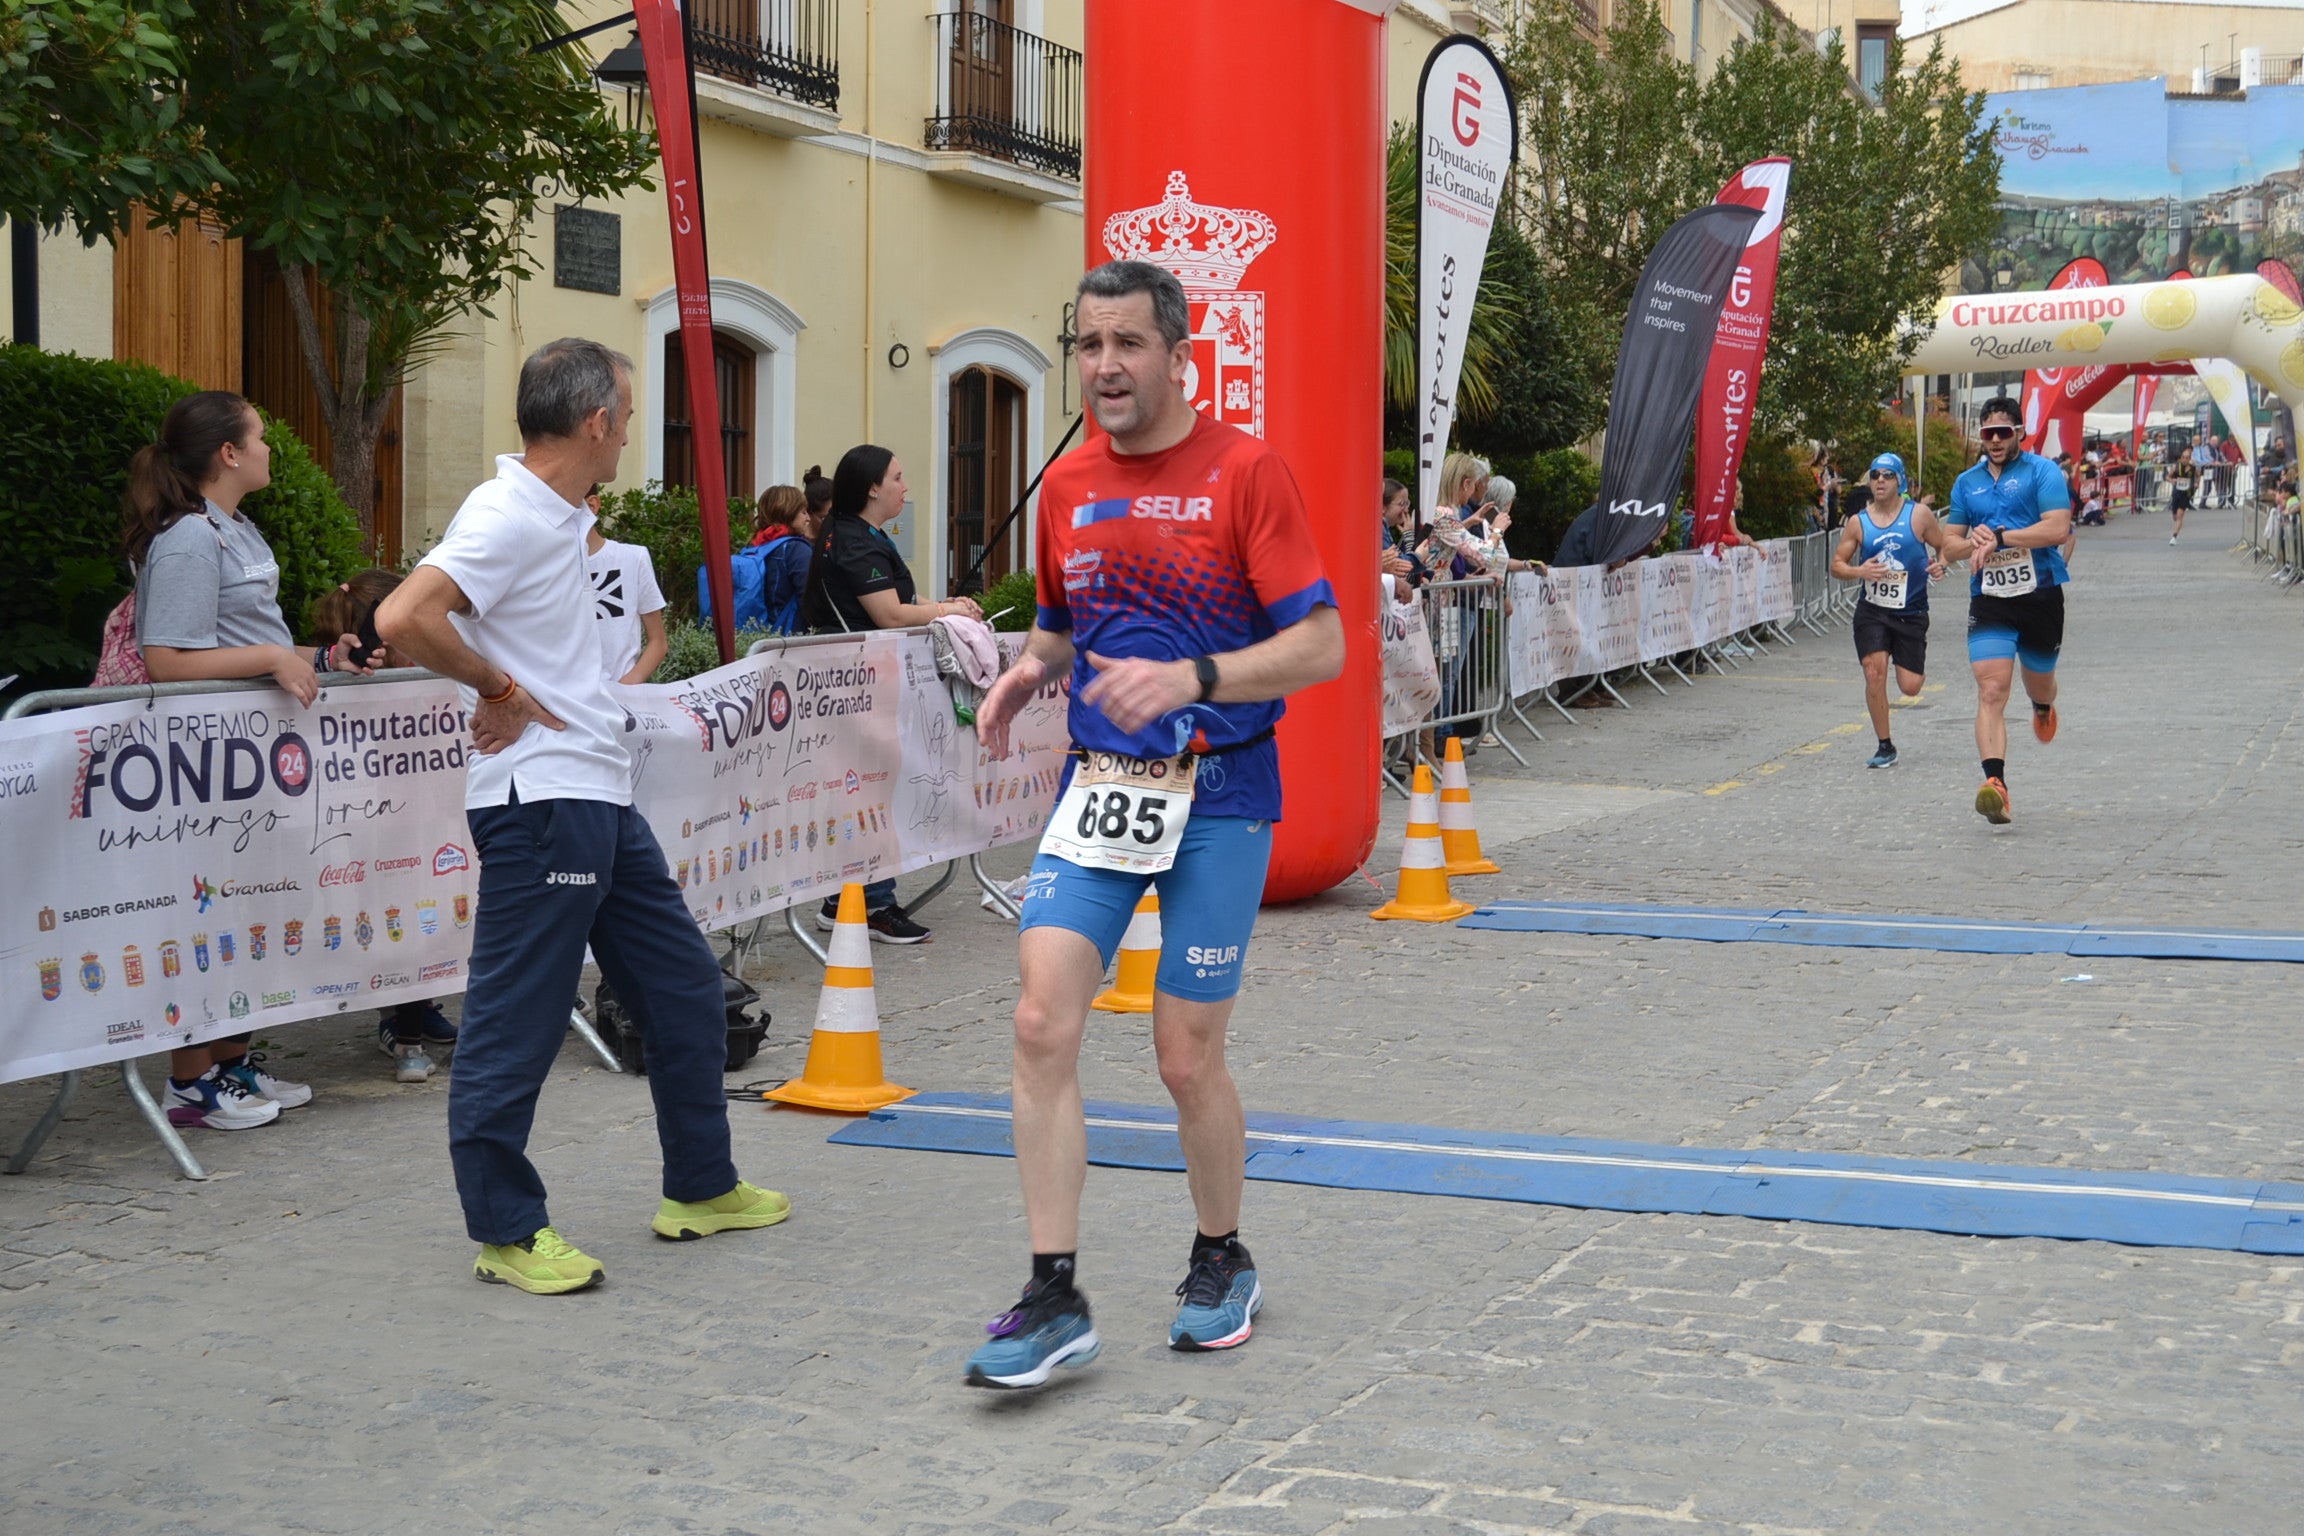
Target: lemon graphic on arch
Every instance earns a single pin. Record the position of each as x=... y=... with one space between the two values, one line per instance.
x=2292 y=362
x=2083 y=337
x=2170 y=308
x=2275 y=308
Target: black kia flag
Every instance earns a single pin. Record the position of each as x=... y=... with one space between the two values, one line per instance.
x=1660 y=374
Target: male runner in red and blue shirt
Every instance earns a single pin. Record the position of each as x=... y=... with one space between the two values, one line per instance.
x=1179 y=582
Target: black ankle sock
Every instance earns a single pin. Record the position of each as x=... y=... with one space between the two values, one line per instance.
x=1053 y=1270
x=1886 y=745
x=2041 y=709
x=1203 y=1243
x=1996 y=768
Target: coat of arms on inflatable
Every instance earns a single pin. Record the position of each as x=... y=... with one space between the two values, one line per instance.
x=1209 y=250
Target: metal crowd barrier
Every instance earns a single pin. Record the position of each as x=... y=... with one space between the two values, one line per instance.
x=1465 y=620
x=140 y=1094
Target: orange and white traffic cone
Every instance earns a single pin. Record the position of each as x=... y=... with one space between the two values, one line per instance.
x=1131 y=990
x=1459 y=837
x=1423 y=895
x=844 y=1071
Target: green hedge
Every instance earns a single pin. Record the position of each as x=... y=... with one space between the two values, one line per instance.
x=68 y=427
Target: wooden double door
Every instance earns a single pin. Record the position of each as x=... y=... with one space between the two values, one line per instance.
x=984 y=474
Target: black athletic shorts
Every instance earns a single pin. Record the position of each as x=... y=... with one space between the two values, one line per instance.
x=1903 y=634
x=2180 y=499
x=2029 y=628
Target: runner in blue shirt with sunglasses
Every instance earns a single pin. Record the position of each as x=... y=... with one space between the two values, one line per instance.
x=2015 y=513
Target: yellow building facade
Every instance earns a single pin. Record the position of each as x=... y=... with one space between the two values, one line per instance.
x=2207 y=48
x=892 y=199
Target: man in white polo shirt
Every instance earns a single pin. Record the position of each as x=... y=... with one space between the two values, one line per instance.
x=502 y=606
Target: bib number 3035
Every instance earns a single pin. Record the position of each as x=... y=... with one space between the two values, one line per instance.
x=1122 y=813
x=2008 y=573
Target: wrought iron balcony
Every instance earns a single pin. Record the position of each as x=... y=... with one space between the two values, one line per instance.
x=788 y=47
x=1006 y=94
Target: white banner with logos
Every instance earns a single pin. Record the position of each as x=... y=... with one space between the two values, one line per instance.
x=1411 y=675
x=187 y=868
x=1467 y=137
x=1581 y=620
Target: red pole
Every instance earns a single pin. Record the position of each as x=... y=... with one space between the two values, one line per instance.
x=664 y=44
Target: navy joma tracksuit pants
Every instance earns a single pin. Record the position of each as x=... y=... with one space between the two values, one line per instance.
x=554 y=875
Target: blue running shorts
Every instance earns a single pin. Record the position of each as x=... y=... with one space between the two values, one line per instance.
x=1208 y=902
x=2029 y=628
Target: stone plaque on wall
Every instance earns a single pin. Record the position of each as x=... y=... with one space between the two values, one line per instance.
x=587 y=249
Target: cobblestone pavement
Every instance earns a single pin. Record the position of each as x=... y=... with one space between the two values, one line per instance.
x=297 y=1345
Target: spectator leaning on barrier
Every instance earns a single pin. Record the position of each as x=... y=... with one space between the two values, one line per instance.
x=410 y=1033
x=565 y=859
x=208 y=609
x=627 y=605
x=858 y=582
x=1396 y=541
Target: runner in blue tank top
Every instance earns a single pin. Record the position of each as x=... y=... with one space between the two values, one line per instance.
x=1892 y=545
x=2014 y=513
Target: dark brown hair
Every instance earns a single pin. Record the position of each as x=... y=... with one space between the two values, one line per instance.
x=350 y=607
x=165 y=477
x=817 y=489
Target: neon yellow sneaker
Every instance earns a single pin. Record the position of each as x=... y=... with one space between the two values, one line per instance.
x=543 y=1265
x=741 y=1207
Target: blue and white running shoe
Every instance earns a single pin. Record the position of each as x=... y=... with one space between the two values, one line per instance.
x=1048 y=1328
x=1221 y=1296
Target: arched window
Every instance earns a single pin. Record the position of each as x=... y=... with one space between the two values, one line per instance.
x=736 y=367
x=985 y=472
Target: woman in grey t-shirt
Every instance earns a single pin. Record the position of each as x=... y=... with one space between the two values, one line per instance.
x=208 y=607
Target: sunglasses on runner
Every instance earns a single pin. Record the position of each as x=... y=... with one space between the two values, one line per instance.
x=1881 y=474
x=1996 y=434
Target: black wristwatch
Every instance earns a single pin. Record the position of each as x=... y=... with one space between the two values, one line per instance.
x=1999 y=539
x=1205 y=666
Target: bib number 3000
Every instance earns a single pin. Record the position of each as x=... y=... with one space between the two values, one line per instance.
x=1122 y=813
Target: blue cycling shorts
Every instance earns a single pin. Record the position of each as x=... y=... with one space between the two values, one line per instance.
x=1208 y=902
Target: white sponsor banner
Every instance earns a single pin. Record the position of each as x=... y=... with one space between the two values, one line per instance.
x=1467 y=133
x=1527 y=658
x=1667 y=605
x=1744 y=568
x=1411 y=676
x=1776 y=596
x=187 y=868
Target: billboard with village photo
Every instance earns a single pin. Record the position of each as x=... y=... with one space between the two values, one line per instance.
x=2145 y=182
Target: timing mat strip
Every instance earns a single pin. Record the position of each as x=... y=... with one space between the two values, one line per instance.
x=1855 y=930
x=2153 y=1210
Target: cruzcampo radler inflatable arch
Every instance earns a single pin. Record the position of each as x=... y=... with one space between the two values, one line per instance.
x=1242 y=147
x=2242 y=317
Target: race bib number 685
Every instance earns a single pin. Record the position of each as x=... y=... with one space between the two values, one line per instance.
x=1123 y=813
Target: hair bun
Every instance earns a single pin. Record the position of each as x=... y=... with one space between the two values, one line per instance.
x=815 y=472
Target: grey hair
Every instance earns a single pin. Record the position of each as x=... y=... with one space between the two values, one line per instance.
x=1502 y=492
x=1118 y=279
x=564 y=382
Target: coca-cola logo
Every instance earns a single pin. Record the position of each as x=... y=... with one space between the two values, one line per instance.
x=343 y=874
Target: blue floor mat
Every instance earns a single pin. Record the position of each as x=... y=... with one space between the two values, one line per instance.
x=1974 y=1199
x=1885 y=930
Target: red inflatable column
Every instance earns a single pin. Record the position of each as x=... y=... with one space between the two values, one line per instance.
x=1241 y=145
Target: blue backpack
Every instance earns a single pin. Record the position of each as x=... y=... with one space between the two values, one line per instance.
x=767 y=580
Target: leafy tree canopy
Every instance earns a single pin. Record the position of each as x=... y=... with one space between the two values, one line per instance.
x=1619 y=139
